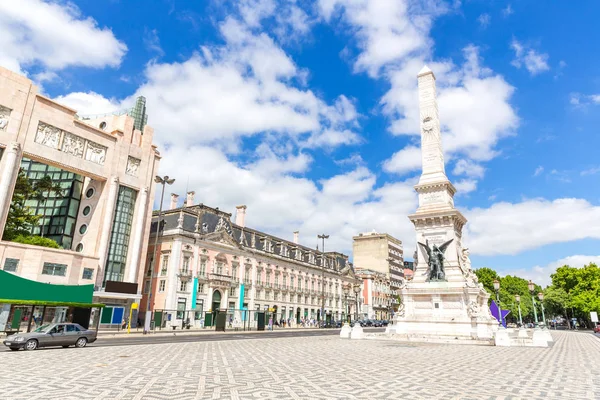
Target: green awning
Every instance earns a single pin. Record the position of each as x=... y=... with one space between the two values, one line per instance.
x=51 y=303
x=17 y=290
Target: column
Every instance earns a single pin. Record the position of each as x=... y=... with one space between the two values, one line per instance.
x=109 y=211
x=10 y=162
x=138 y=230
x=172 y=272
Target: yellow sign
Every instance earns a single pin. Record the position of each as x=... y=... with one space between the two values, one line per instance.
x=134 y=306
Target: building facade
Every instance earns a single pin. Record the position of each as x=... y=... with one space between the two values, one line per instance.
x=101 y=219
x=378 y=298
x=380 y=252
x=205 y=263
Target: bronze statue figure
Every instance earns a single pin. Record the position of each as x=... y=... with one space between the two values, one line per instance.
x=435 y=260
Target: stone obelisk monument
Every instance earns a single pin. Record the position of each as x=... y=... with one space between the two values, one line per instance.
x=444 y=299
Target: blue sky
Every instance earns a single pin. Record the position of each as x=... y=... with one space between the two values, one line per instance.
x=305 y=111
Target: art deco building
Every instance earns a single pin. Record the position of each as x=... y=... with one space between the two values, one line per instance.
x=101 y=220
x=206 y=263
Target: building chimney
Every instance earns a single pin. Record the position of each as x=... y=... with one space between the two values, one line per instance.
x=296 y=237
x=174 y=199
x=240 y=216
x=189 y=201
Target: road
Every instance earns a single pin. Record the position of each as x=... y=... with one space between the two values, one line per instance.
x=216 y=336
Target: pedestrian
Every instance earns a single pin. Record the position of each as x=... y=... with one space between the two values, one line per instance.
x=270 y=323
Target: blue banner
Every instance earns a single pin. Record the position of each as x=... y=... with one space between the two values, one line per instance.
x=194 y=293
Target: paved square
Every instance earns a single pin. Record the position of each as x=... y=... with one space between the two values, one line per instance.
x=306 y=368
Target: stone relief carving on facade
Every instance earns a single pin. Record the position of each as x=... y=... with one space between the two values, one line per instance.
x=253 y=240
x=73 y=145
x=133 y=164
x=4 y=117
x=95 y=153
x=204 y=227
x=48 y=135
x=473 y=309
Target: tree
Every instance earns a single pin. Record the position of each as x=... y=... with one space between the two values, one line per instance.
x=486 y=277
x=20 y=219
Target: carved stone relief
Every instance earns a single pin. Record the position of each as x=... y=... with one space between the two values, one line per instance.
x=4 y=117
x=95 y=153
x=48 y=135
x=73 y=145
x=133 y=164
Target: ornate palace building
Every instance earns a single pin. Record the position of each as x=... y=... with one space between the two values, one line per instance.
x=206 y=262
x=104 y=166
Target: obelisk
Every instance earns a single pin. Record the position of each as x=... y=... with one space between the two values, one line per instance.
x=450 y=305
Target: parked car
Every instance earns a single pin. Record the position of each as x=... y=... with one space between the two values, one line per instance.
x=63 y=334
x=597 y=329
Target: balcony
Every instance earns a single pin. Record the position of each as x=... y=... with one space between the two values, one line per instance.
x=259 y=284
x=185 y=274
x=201 y=275
x=248 y=282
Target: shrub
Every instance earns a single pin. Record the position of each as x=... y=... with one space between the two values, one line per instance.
x=36 y=241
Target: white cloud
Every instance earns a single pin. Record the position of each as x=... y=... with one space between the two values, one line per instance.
x=484 y=20
x=538 y=171
x=465 y=186
x=590 y=171
x=468 y=168
x=541 y=274
x=89 y=103
x=152 y=42
x=579 y=100
x=405 y=160
x=507 y=11
x=511 y=228
x=54 y=36
x=534 y=62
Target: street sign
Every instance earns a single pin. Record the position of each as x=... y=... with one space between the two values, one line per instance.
x=594 y=316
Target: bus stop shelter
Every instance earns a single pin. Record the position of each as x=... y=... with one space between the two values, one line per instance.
x=27 y=304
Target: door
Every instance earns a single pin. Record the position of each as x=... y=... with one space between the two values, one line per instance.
x=56 y=336
x=71 y=335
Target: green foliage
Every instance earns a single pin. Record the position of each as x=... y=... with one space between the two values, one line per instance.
x=20 y=219
x=36 y=241
x=486 y=277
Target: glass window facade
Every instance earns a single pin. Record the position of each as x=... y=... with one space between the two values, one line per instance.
x=88 y=273
x=119 y=238
x=59 y=212
x=11 y=264
x=54 y=269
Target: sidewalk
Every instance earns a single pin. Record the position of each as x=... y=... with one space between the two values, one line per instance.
x=190 y=332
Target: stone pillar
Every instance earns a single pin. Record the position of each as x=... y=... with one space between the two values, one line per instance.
x=240 y=216
x=189 y=201
x=174 y=200
x=136 y=240
x=296 y=233
x=109 y=211
x=10 y=163
x=431 y=142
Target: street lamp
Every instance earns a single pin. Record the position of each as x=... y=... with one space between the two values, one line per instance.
x=356 y=292
x=518 y=299
x=541 y=297
x=497 y=289
x=163 y=181
x=323 y=237
x=347 y=298
x=531 y=287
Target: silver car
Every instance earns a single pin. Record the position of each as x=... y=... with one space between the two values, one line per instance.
x=63 y=334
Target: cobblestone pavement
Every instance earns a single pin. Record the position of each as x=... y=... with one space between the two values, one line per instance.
x=323 y=367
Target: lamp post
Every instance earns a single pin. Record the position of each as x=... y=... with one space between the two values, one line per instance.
x=347 y=298
x=323 y=261
x=518 y=299
x=356 y=289
x=163 y=181
x=497 y=289
x=541 y=297
x=531 y=287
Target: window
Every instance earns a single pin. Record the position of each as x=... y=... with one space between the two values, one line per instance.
x=186 y=263
x=147 y=287
x=87 y=210
x=201 y=288
x=219 y=268
x=89 y=193
x=54 y=269
x=180 y=307
x=232 y=292
x=119 y=238
x=71 y=328
x=88 y=273
x=161 y=285
x=202 y=271
x=79 y=247
x=83 y=229
x=165 y=264
x=11 y=264
x=234 y=271
x=183 y=286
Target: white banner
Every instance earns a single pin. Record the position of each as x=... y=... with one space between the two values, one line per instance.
x=594 y=316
